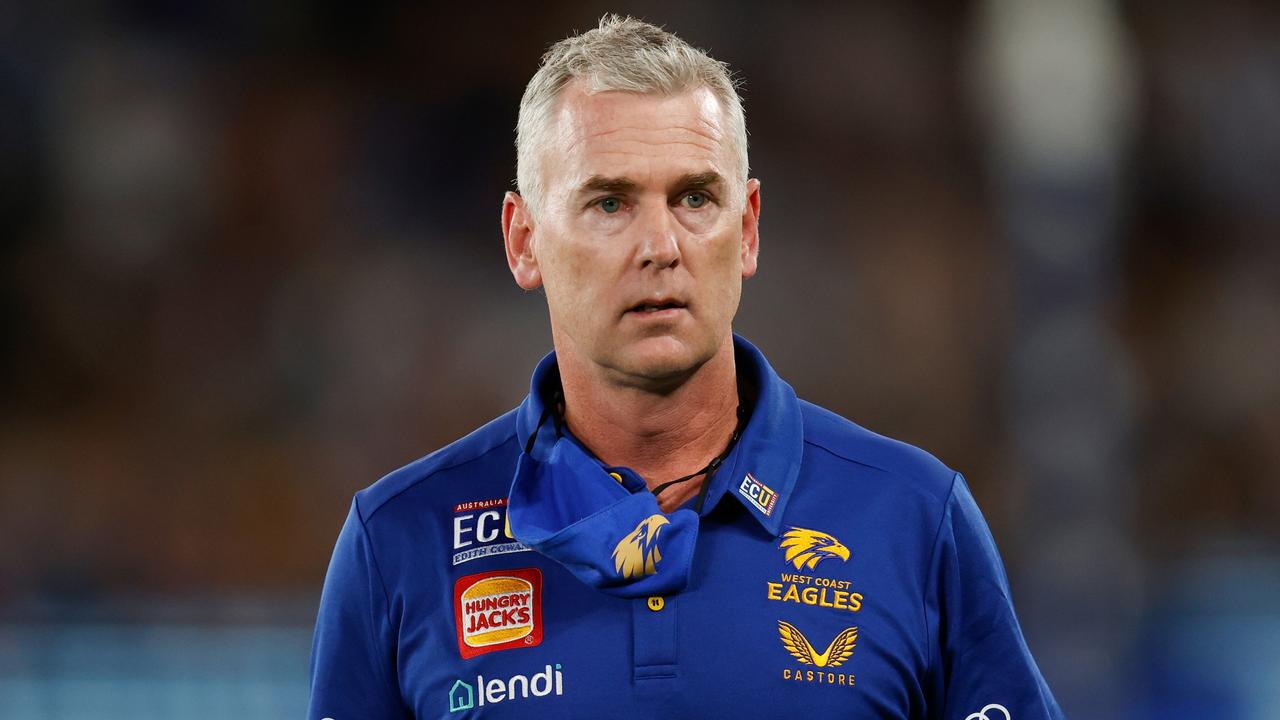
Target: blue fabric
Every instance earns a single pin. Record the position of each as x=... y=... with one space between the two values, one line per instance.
x=568 y=508
x=353 y=631
x=832 y=573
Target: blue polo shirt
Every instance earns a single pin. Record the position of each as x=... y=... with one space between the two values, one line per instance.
x=829 y=573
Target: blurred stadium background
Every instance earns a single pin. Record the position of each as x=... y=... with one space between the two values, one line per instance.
x=250 y=261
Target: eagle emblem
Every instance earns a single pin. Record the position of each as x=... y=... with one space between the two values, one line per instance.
x=807 y=548
x=798 y=645
x=637 y=554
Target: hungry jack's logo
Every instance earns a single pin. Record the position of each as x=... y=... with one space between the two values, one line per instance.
x=498 y=610
x=636 y=555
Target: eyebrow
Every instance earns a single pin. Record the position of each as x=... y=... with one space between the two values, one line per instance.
x=600 y=183
x=699 y=180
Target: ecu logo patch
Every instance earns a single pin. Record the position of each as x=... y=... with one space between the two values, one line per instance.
x=802 y=650
x=481 y=529
x=758 y=494
x=498 y=610
x=636 y=555
x=806 y=548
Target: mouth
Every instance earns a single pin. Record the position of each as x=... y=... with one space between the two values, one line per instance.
x=656 y=306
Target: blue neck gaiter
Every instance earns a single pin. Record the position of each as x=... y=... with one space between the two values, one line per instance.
x=569 y=508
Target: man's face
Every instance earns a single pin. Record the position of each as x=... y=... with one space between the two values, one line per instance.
x=644 y=233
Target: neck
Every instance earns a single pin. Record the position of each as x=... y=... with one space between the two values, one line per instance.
x=663 y=433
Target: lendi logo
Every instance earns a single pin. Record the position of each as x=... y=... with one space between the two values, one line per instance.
x=498 y=610
x=465 y=696
x=636 y=555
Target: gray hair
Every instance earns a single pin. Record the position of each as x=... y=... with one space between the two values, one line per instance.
x=627 y=55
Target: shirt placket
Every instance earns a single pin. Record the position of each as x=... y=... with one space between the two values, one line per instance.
x=654 y=640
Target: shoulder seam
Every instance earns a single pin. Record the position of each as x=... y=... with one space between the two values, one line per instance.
x=909 y=448
x=435 y=471
x=927 y=580
x=863 y=463
x=382 y=583
x=842 y=456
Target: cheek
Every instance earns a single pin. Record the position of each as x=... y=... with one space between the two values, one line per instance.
x=572 y=279
x=727 y=261
x=725 y=255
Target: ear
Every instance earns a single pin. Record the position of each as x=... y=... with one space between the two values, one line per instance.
x=751 y=229
x=517 y=234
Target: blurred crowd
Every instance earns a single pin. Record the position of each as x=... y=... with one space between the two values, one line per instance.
x=250 y=261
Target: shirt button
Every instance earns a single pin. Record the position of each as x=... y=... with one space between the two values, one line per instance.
x=616 y=476
x=656 y=603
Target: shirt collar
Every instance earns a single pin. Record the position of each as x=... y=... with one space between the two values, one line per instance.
x=761 y=470
x=536 y=416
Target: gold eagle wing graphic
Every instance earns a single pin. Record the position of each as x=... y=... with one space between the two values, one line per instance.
x=637 y=554
x=842 y=647
x=802 y=650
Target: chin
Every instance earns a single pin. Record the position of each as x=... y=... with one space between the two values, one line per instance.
x=661 y=359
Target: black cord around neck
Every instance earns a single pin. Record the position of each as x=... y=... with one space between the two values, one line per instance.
x=711 y=467
x=554 y=410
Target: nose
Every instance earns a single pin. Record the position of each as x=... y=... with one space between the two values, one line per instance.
x=660 y=241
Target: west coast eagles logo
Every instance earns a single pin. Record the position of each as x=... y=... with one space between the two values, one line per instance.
x=807 y=548
x=801 y=649
x=637 y=554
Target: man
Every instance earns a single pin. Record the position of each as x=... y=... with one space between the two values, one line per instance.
x=661 y=529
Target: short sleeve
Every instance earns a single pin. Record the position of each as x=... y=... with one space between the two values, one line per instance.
x=353 y=652
x=982 y=658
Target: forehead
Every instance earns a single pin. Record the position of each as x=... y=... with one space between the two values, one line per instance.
x=614 y=134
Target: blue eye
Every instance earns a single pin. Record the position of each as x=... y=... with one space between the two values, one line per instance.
x=695 y=200
x=610 y=205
